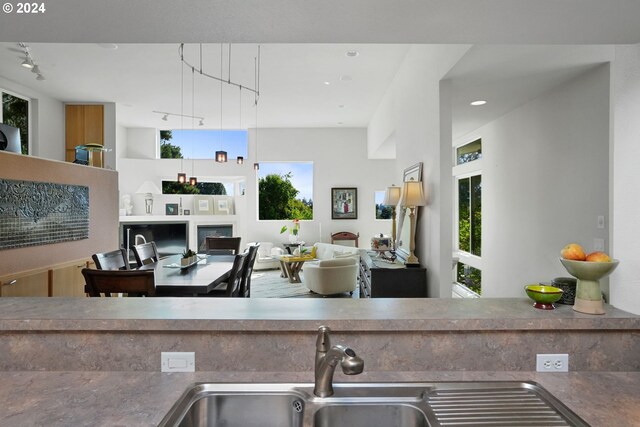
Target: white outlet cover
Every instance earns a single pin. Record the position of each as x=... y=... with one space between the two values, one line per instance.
x=177 y=361
x=552 y=362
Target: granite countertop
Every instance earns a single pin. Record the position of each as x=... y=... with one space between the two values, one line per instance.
x=238 y=314
x=144 y=398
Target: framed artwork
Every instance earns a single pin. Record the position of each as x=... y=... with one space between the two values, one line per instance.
x=202 y=205
x=223 y=205
x=344 y=203
x=187 y=212
x=171 y=209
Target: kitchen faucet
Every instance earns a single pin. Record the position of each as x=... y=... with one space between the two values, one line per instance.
x=327 y=357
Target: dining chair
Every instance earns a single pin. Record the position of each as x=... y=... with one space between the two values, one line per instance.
x=109 y=282
x=146 y=253
x=232 y=288
x=114 y=260
x=345 y=236
x=222 y=245
x=245 y=284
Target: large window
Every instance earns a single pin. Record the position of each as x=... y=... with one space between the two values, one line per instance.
x=15 y=112
x=202 y=143
x=285 y=190
x=467 y=175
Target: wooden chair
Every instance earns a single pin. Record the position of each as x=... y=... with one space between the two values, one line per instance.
x=222 y=245
x=114 y=260
x=146 y=253
x=345 y=235
x=235 y=278
x=109 y=282
x=245 y=284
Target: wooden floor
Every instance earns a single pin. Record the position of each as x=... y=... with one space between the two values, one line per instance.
x=269 y=284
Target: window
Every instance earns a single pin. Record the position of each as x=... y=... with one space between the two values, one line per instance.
x=213 y=188
x=382 y=211
x=285 y=190
x=15 y=112
x=202 y=143
x=467 y=175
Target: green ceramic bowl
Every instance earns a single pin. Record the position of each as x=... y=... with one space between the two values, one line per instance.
x=543 y=296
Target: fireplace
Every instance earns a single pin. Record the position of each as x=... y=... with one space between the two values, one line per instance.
x=218 y=230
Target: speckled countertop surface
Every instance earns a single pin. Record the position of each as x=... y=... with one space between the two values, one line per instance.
x=144 y=398
x=96 y=314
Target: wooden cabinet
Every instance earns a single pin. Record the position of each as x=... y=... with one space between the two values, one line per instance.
x=380 y=280
x=61 y=280
x=25 y=285
x=84 y=124
x=68 y=281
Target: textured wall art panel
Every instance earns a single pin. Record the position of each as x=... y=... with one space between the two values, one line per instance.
x=40 y=213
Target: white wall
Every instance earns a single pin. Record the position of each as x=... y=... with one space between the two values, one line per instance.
x=47 y=127
x=339 y=157
x=544 y=182
x=409 y=112
x=625 y=224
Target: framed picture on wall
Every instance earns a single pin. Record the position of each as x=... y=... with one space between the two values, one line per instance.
x=344 y=203
x=171 y=209
x=202 y=205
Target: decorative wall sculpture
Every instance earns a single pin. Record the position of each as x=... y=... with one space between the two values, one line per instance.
x=40 y=213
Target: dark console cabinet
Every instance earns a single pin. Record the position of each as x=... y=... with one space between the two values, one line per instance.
x=378 y=280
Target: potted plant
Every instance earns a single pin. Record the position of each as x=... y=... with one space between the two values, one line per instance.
x=294 y=230
x=188 y=257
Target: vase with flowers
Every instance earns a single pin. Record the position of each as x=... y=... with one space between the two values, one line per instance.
x=294 y=231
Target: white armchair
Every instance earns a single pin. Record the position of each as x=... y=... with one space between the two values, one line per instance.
x=268 y=256
x=331 y=276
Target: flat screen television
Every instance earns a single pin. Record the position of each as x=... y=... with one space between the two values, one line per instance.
x=171 y=237
x=10 y=139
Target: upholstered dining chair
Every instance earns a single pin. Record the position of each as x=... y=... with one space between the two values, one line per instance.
x=222 y=245
x=146 y=253
x=232 y=288
x=114 y=260
x=110 y=282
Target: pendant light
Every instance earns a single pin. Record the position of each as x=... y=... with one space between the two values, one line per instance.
x=182 y=177
x=193 y=181
x=221 y=155
x=256 y=165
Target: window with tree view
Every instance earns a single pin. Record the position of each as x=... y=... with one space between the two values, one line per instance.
x=468 y=236
x=285 y=191
x=382 y=211
x=202 y=143
x=15 y=112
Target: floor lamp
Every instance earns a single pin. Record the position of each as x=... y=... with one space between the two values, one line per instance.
x=391 y=198
x=412 y=196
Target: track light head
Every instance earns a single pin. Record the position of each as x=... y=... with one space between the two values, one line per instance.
x=165 y=117
x=27 y=63
x=40 y=77
x=201 y=123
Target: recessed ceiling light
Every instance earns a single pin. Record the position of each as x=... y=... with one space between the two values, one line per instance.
x=327 y=83
x=110 y=46
x=353 y=53
x=477 y=103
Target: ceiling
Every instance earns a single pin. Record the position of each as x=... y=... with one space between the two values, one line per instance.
x=521 y=49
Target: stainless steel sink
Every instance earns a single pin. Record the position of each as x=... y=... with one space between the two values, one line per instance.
x=371 y=404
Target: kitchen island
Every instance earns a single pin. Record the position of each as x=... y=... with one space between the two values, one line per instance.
x=80 y=361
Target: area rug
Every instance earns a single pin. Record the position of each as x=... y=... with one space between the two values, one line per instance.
x=269 y=284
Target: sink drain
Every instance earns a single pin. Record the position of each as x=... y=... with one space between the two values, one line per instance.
x=297 y=406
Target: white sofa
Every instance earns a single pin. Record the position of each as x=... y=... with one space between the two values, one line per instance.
x=335 y=272
x=268 y=256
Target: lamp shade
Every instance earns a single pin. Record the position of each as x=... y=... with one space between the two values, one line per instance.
x=412 y=194
x=148 y=187
x=221 y=156
x=392 y=196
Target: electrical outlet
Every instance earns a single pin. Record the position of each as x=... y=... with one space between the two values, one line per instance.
x=552 y=363
x=598 y=244
x=175 y=361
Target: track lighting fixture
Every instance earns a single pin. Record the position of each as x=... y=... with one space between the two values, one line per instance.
x=165 y=116
x=29 y=63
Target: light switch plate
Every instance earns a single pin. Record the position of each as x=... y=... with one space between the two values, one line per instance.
x=598 y=245
x=177 y=361
x=600 y=221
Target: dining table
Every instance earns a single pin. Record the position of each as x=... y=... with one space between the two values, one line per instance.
x=209 y=273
